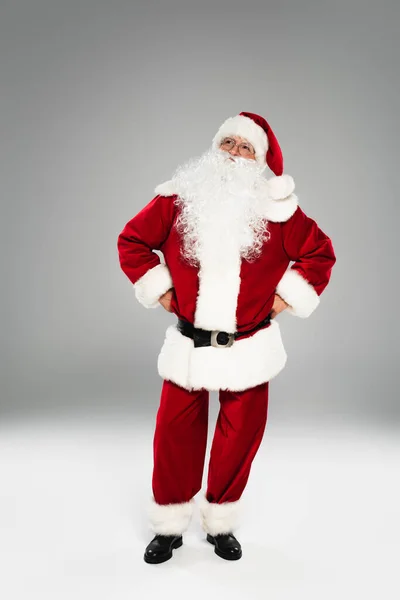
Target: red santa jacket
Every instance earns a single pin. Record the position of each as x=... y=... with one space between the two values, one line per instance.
x=234 y=298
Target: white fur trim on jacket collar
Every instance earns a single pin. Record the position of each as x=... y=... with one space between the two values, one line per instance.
x=248 y=129
x=167 y=188
x=279 y=211
x=280 y=201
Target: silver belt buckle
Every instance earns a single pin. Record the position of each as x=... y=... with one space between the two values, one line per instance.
x=216 y=344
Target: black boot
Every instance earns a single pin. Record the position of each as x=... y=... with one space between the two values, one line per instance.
x=160 y=548
x=226 y=545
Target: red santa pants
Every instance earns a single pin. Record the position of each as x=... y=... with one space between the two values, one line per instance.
x=179 y=449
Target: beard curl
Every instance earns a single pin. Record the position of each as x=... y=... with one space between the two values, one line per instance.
x=220 y=197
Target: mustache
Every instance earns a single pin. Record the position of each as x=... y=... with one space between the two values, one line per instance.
x=239 y=160
x=220 y=161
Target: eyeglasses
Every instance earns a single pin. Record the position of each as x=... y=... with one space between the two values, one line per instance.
x=245 y=149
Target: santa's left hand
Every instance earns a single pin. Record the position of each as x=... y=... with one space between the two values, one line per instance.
x=278 y=306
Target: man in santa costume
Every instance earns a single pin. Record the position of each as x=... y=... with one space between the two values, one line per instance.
x=228 y=235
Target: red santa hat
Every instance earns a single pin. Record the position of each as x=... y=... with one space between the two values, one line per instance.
x=258 y=132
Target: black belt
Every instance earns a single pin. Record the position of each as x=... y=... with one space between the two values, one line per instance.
x=218 y=339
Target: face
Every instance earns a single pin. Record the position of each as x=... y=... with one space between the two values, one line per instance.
x=238 y=146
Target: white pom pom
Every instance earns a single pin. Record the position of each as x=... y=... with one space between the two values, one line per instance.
x=280 y=186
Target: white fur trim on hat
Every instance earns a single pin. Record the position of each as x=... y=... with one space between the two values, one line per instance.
x=170 y=519
x=248 y=129
x=219 y=518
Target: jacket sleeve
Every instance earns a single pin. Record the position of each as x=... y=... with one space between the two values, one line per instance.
x=313 y=255
x=144 y=233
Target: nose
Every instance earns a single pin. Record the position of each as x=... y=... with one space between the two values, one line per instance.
x=234 y=151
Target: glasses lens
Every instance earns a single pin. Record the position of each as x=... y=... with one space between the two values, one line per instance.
x=228 y=143
x=246 y=150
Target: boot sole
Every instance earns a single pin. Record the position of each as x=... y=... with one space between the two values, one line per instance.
x=218 y=551
x=165 y=557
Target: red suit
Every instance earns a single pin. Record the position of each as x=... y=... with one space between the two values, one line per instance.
x=227 y=294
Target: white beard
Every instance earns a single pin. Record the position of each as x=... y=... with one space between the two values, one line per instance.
x=222 y=209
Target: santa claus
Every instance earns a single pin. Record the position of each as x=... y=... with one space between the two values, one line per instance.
x=228 y=235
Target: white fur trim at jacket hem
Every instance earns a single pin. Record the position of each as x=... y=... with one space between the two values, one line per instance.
x=153 y=284
x=219 y=518
x=247 y=363
x=298 y=293
x=170 y=519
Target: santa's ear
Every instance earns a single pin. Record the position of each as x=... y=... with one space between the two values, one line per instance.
x=280 y=186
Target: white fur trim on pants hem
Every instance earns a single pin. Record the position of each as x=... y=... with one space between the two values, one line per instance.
x=219 y=518
x=170 y=519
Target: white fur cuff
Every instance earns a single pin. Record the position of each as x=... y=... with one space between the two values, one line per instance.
x=219 y=518
x=298 y=293
x=153 y=284
x=170 y=519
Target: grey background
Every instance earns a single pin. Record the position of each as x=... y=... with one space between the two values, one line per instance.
x=99 y=103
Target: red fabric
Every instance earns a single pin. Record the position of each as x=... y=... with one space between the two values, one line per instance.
x=310 y=248
x=274 y=155
x=147 y=231
x=180 y=441
x=299 y=239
